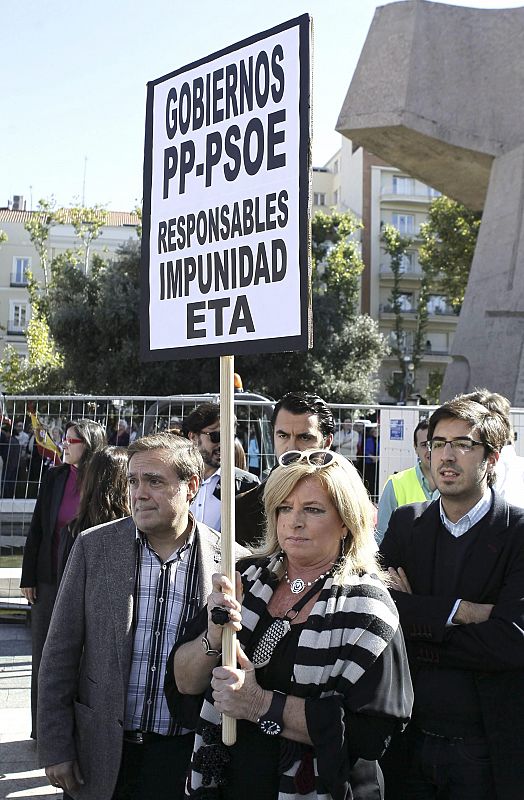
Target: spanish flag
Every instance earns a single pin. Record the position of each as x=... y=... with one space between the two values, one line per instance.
x=46 y=447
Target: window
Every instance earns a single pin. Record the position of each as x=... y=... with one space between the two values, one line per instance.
x=433 y=192
x=437 y=304
x=404 y=223
x=19 y=273
x=335 y=197
x=18 y=318
x=437 y=343
x=319 y=198
x=335 y=167
x=405 y=340
x=402 y=185
x=406 y=301
x=408 y=262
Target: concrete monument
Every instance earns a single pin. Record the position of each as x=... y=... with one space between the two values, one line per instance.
x=438 y=92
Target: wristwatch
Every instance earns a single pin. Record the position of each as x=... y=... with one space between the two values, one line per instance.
x=208 y=650
x=272 y=722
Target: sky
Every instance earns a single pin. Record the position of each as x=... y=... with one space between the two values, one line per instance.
x=74 y=81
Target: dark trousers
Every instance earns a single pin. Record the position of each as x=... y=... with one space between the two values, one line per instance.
x=40 y=619
x=154 y=770
x=448 y=769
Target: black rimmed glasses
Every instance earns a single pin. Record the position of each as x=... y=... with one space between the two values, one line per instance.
x=316 y=458
x=214 y=436
x=462 y=444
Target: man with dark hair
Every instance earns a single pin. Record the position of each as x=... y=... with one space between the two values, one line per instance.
x=413 y=485
x=202 y=427
x=300 y=421
x=301 y=417
x=457 y=571
x=104 y=729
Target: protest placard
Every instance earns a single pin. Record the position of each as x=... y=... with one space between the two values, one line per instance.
x=226 y=257
x=225 y=250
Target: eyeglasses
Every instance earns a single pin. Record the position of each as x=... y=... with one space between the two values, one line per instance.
x=72 y=441
x=462 y=444
x=214 y=436
x=316 y=458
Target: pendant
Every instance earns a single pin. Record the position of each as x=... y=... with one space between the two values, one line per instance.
x=269 y=640
x=297 y=586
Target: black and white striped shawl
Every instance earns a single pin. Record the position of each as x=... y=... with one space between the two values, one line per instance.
x=348 y=628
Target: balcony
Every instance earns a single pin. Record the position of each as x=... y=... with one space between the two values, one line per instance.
x=16 y=328
x=425 y=355
x=387 y=308
x=442 y=311
x=412 y=272
x=387 y=195
x=18 y=279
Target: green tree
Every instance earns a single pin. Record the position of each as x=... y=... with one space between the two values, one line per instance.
x=449 y=240
x=435 y=378
x=396 y=246
x=38 y=373
x=137 y=210
x=87 y=224
x=3 y=237
x=42 y=371
x=38 y=227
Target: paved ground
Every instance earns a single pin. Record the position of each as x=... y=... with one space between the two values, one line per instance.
x=19 y=776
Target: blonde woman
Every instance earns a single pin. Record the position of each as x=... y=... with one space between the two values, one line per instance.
x=322 y=681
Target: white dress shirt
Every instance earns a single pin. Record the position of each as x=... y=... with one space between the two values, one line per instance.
x=205 y=507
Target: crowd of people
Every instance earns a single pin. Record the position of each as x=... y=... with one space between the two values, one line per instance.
x=24 y=462
x=377 y=656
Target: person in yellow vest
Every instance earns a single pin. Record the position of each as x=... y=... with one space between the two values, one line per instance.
x=413 y=485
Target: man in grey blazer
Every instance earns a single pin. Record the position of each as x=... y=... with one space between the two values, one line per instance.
x=104 y=730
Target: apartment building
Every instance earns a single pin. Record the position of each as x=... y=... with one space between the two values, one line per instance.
x=382 y=194
x=18 y=255
x=338 y=184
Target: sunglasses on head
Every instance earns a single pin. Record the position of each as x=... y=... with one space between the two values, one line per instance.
x=214 y=436
x=316 y=458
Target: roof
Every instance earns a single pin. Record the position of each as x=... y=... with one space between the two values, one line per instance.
x=114 y=219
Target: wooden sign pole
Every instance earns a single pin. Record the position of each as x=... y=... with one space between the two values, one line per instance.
x=227 y=491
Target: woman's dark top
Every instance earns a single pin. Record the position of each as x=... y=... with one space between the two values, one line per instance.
x=38 y=563
x=353 y=727
x=253 y=746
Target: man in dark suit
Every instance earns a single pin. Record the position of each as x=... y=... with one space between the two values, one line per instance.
x=104 y=729
x=300 y=421
x=202 y=427
x=457 y=569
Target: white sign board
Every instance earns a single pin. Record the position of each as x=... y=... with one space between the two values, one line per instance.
x=225 y=255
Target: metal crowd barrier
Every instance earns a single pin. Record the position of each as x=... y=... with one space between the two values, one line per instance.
x=23 y=467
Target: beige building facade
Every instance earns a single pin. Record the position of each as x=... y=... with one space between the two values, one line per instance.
x=380 y=195
x=18 y=255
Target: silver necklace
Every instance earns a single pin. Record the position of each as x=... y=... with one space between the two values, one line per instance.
x=298 y=585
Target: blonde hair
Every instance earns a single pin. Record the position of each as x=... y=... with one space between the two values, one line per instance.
x=348 y=494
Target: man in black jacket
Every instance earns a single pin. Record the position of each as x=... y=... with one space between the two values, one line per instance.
x=202 y=427
x=457 y=568
x=300 y=421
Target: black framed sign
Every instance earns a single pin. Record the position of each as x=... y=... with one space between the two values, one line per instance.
x=226 y=262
